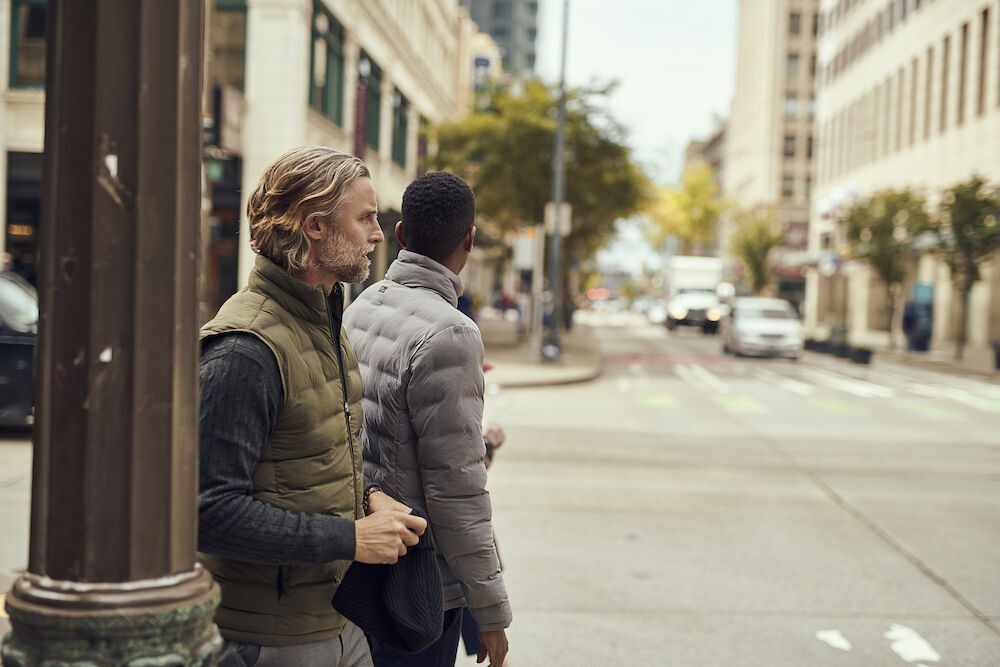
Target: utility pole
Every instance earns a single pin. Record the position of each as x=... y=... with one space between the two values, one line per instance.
x=551 y=348
x=112 y=577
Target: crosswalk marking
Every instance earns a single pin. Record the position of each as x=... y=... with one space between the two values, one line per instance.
x=854 y=386
x=928 y=409
x=741 y=404
x=786 y=383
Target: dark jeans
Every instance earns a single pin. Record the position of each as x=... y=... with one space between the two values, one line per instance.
x=442 y=653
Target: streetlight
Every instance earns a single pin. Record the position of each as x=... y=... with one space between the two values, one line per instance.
x=551 y=348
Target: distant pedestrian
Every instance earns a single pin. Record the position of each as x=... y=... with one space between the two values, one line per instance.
x=282 y=503
x=422 y=363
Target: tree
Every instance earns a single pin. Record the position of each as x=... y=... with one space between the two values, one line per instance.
x=505 y=149
x=879 y=230
x=967 y=234
x=690 y=213
x=754 y=236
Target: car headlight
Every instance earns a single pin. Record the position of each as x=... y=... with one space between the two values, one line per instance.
x=678 y=312
x=714 y=315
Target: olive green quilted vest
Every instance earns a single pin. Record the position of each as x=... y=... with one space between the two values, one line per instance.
x=312 y=462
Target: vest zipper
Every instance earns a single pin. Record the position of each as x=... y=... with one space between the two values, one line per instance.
x=335 y=329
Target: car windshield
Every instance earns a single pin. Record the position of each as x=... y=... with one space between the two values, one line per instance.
x=18 y=304
x=766 y=313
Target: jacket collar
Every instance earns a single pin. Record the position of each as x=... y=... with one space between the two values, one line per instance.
x=415 y=270
x=299 y=298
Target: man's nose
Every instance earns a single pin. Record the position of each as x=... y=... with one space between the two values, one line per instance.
x=376 y=236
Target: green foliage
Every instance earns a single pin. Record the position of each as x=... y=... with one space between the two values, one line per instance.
x=879 y=230
x=505 y=151
x=754 y=236
x=967 y=233
x=689 y=213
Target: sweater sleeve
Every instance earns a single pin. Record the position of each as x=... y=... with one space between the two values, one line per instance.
x=447 y=371
x=241 y=396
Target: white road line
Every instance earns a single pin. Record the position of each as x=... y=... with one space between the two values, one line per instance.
x=702 y=378
x=786 y=383
x=849 y=385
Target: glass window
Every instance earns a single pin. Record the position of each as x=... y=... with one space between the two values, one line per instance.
x=791 y=106
x=794 y=23
x=400 y=111
x=326 y=88
x=502 y=9
x=27 y=43
x=789 y=145
x=371 y=77
x=787 y=186
x=792 y=67
x=228 y=38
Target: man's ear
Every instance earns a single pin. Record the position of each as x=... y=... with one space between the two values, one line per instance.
x=470 y=239
x=400 y=236
x=313 y=228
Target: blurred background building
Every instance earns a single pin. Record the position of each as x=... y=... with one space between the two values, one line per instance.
x=908 y=97
x=363 y=77
x=769 y=139
x=513 y=25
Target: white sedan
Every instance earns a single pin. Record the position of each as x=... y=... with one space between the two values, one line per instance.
x=762 y=326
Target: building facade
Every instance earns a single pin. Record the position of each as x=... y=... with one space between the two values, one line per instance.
x=513 y=25
x=362 y=77
x=769 y=138
x=908 y=97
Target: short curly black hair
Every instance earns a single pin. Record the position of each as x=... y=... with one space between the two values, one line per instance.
x=438 y=210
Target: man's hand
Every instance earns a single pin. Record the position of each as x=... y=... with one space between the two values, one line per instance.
x=380 y=501
x=492 y=645
x=493 y=438
x=382 y=537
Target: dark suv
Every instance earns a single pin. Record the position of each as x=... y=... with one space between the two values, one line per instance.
x=18 y=328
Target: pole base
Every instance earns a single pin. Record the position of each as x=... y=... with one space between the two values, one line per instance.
x=163 y=622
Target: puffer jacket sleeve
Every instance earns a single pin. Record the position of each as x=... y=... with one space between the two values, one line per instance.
x=445 y=398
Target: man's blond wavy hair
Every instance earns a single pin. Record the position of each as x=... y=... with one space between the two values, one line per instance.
x=300 y=184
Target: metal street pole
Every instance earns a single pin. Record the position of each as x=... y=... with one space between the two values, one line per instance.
x=551 y=348
x=112 y=577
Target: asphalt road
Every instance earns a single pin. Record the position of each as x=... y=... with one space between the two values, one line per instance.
x=689 y=508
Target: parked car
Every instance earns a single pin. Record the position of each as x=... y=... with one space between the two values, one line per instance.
x=694 y=308
x=18 y=329
x=762 y=327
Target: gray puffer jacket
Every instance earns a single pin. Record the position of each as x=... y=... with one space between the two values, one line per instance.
x=422 y=367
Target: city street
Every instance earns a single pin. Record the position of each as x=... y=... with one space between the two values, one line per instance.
x=688 y=508
x=694 y=509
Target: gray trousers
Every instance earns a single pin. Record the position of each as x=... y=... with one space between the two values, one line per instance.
x=350 y=649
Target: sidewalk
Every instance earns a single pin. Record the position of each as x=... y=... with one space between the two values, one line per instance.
x=975 y=362
x=517 y=362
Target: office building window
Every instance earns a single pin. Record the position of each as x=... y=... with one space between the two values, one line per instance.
x=792 y=67
x=27 y=43
x=787 y=187
x=502 y=9
x=228 y=37
x=928 y=92
x=815 y=25
x=400 y=113
x=372 y=77
x=913 y=102
x=326 y=94
x=984 y=40
x=791 y=106
x=963 y=69
x=943 y=118
x=807 y=184
x=789 y=150
x=809 y=147
x=794 y=23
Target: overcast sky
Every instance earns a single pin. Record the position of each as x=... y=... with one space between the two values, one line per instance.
x=676 y=63
x=675 y=60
